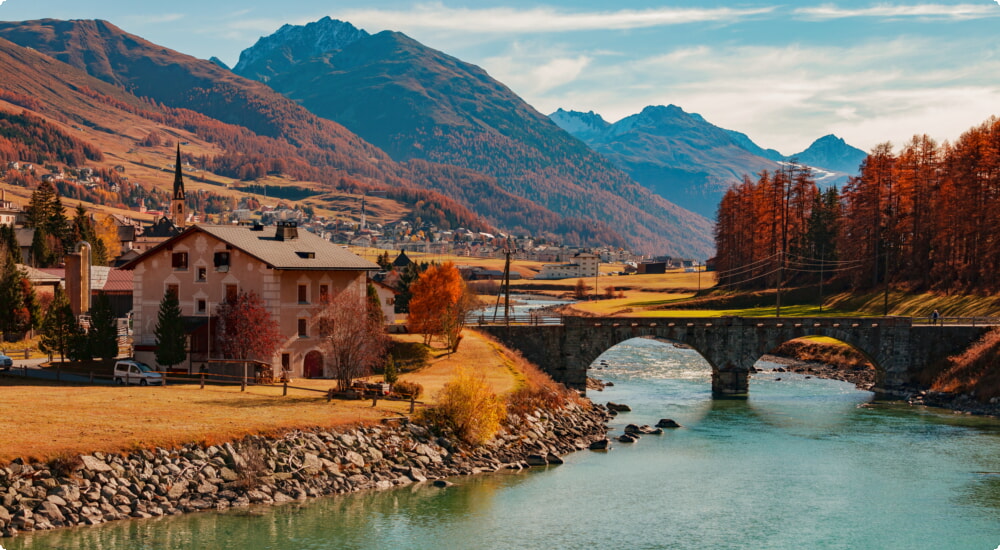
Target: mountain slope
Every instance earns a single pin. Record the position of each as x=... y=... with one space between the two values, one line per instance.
x=418 y=103
x=692 y=162
x=676 y=154
x=118 y=123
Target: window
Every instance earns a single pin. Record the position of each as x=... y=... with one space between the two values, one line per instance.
x=302 y=328
x=175 y=290
x=221 y=261
x=324 y=293
x=302 y=295
x=179 y=260
x=230 y=293
x=286 y=362
x=202 y=275
x=202 y=306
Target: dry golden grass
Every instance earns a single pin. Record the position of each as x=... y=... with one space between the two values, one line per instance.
x=44 y=420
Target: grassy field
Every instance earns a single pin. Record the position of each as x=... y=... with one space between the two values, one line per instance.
x=45 y=419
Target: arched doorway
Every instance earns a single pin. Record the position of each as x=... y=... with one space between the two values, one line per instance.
x=312 y=366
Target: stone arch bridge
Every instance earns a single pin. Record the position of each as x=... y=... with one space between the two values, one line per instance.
x=897 y=347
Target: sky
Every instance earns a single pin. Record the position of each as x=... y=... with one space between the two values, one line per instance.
x=783 y=73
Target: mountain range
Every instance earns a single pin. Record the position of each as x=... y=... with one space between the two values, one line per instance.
x=417 y=103
x=692 y=162
x=546 y=189
x=331 y=104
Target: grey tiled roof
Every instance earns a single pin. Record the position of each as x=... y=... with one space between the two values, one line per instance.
x=279 y=254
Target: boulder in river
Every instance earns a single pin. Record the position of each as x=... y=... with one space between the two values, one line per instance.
x=667 y=423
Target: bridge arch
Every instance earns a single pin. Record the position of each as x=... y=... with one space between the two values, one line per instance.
x=731 y=345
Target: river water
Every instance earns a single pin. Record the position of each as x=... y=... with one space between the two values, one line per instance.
x=802 y=463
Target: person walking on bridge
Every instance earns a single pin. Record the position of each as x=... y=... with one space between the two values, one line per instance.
x=934 y=317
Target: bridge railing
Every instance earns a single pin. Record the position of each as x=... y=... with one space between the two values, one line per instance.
x=483 y=319
x=958 y=321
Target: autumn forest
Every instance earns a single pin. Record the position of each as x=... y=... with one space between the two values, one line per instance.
x=925 y=218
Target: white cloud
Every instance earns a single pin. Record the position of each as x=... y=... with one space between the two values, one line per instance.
x=932 y=11
x=436 y=16
x=785 y=97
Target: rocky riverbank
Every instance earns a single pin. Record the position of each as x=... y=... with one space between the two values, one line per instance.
x=864 y=378
x=97 y=488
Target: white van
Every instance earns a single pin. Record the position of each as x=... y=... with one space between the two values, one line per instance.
x=130 y=371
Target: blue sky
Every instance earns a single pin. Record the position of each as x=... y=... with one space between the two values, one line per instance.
x=785 y=74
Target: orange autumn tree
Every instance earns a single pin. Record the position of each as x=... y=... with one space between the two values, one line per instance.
x=439 y=304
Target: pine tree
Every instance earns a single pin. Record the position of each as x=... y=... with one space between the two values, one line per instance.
x=59 y=326
x=170 y=338
x=103 y=331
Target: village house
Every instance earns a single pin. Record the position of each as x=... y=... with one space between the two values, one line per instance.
x=9 y=211
x=293 y=272
x=584 y=264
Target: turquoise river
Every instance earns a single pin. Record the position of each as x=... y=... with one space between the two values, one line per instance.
x=802 y=463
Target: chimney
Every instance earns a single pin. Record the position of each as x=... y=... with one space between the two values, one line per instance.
x=287 y=231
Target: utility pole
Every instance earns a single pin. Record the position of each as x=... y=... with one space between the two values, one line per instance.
x=505 y=290
x=822 y=264
x=781 y=277
x=885 y=298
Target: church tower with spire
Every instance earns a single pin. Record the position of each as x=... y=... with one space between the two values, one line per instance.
x=178 y=212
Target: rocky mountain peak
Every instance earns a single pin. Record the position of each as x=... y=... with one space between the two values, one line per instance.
x=833 y=153
x=582 y=125
x=292 y=44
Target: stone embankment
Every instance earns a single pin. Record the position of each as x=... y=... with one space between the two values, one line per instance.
x=97 y=488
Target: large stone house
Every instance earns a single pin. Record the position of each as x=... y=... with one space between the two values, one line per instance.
x=291 y=270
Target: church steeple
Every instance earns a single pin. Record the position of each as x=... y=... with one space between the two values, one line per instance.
x=178 y=214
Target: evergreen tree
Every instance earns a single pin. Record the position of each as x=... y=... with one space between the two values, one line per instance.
x=59 y=327
x=83 y=230
x=8 y=242
x=374 y=304
x=170 y=339
x=16 y=315
x=41 y=253
x=45 y=210
x=103 y=331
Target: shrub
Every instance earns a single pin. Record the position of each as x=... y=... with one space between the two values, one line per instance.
x=65 y=464
x=254 y=465
x=405 y=388
x=470 y=408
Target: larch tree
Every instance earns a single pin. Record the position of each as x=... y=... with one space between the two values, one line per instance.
x=435 y=293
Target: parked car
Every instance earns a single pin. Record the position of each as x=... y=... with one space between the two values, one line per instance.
x=130 y=371
x=6 y=362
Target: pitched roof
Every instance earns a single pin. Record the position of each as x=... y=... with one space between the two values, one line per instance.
x=119 y=280
x=307 y=251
